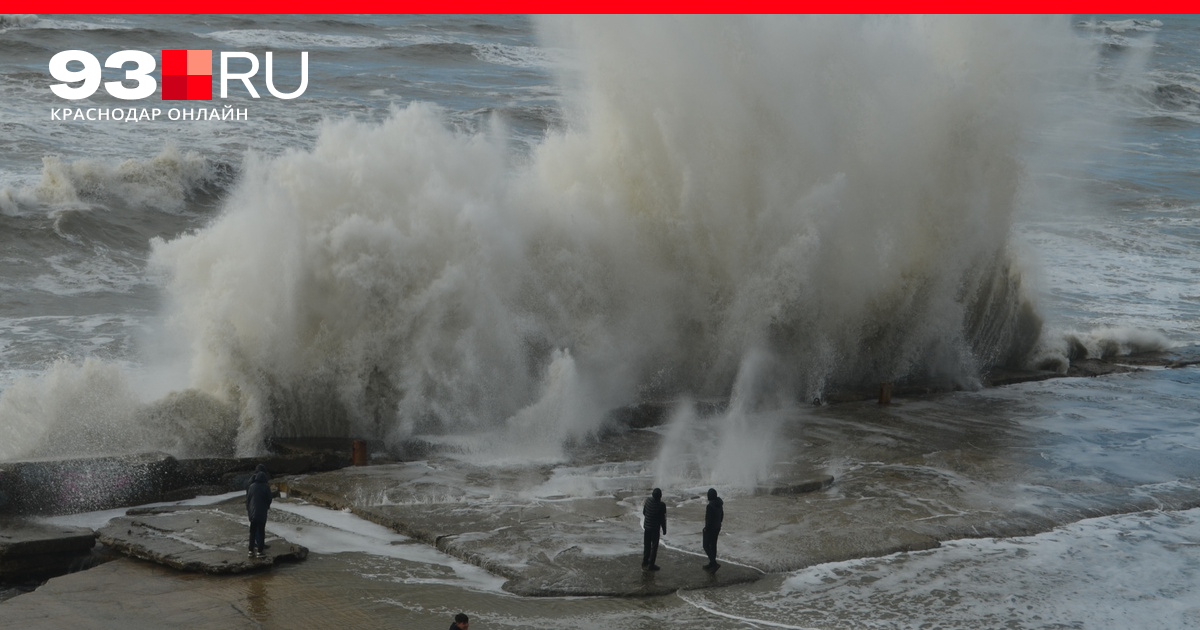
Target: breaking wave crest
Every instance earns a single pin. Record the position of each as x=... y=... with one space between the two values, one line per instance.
x=772 y=209
x=91 y=408
x=834 y=193
x=1057 y=351
x=163 y=182
x=17 y=20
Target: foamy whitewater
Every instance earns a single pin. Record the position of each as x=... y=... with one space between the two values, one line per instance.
x=488 y=233
x=686 y=220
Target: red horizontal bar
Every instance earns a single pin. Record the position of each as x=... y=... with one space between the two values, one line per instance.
x=608 y=6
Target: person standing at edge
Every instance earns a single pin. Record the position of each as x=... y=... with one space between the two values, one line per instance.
x=713 y=515
x=654 y=513
x=461 y=622
x=258 y=501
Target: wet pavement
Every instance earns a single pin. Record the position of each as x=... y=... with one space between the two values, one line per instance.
x=342 y=591
x=907 y=477
x=199 y=539
x=547 y=546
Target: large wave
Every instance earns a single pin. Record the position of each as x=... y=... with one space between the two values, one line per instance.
x=835 y=193
x=828 y=200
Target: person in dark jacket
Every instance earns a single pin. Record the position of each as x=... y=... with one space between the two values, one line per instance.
x=654 y=513
x=461 y=622
x=713 y=515
x=258 y=501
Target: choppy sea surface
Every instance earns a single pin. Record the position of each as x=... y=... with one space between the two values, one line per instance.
x=497 y=226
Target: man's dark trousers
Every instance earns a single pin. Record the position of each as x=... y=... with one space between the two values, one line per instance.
x=258 y=534
x=650 y=547
x=710 y=544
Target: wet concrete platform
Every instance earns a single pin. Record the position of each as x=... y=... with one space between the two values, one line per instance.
x=337 y=591
x=546 y=546
x=30 y=550
x=908 y=475
x=211 y=540
x=123 y=594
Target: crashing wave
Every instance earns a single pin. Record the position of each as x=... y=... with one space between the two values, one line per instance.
x=765 y=186
x=163 y=182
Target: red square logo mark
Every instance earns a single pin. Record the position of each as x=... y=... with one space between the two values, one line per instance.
x=187 y=75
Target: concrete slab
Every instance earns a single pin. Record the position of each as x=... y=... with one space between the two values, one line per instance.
x=27 y=538
x=124 y=594
x=210 y=540
x=31 y=551
x=325 y=591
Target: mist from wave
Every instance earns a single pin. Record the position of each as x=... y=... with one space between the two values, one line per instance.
x=772 y=210
x=405 y=277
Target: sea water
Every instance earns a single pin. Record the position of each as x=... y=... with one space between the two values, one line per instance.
x=489 y=231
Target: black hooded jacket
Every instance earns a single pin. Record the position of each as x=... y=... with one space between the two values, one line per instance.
x=714 y=514
x=655 y=513
x=258 y=497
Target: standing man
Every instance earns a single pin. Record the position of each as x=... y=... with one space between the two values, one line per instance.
x=713 y=515
x=461 y=622
x=258 y=501
x=654 y=513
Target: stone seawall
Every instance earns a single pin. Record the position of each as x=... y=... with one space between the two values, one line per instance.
x=100 y=483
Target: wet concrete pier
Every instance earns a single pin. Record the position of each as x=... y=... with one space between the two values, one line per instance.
x=847 y=481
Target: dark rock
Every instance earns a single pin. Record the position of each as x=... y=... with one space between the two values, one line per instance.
x=1000 y=377
x=1098 y=367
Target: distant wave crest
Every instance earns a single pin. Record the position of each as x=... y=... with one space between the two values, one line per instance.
x=163 y=182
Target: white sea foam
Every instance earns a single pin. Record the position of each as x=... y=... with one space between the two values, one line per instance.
x=344 y=532
x=1122 y=26
x=405 y=278
x=92 y=408
x=272 y=39
x=98 y=519
x=34 y=21
x=16 y=20
x=736 y=448
x=98 y=274
x=763 y=184
x=1134 y=570
x=37 y=341
x=162 y=182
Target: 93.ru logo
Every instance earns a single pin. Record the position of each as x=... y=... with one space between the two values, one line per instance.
x=186 y=75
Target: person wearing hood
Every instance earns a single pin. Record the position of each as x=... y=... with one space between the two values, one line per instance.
x=258 y=501
x=713 y=515
x=654 y=513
